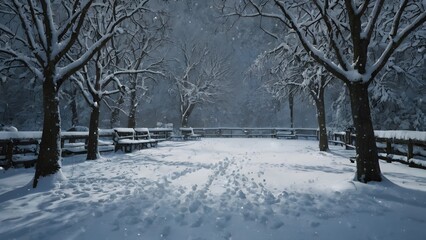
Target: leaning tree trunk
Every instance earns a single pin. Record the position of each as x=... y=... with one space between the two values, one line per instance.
x=184 y=120
x=92 y=144
x=367 y=161
x=186 y=114
x=323 y=138
x=50 y=146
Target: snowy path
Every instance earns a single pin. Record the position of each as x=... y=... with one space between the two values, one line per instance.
x=217 y=189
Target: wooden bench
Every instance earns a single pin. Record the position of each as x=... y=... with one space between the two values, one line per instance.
x=124 y=140
x=188 y=134
x=161 y=134
x=144 y=134
x=76 y=142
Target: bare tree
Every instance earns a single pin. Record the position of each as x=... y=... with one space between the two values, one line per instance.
x=201 y=77
x=115 y=106
x=351 y=30
x=94 y=89
x=149 y=34
x=44 y=33
x=290 y=72
x=106 y=68
x=70 y=95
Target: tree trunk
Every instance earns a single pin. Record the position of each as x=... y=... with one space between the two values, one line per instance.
x=367 y=161
x=184 y=120
x=50 y=146
x=74 y=111
x=115 y=114
x=131 y=123
x=186 y=114
x=323 y=138
x=92 y=144
x=291 y=107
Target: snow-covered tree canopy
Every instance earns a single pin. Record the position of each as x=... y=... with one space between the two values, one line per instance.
x=39 y=34
x=351 y=29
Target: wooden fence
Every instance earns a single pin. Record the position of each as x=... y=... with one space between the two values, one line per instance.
x=21 y=148
x=403 y=146
x=407 y=147
x=238 y=132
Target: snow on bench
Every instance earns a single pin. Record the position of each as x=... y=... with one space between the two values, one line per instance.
x=144 y=134
x=124 y=139
x=160 y=134
x=188 y=134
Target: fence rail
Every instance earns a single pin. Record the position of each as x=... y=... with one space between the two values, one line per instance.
x=403 y=146
x=246 y=132
x=21 y=148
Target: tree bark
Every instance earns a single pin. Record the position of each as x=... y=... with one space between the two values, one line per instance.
x=50 y=146
x=323 y=138
x=92 y=144
x=131 y=123
x=186 y=114
x=74 y=111
x=115 y=114
x=368 y=168
x=291 y=107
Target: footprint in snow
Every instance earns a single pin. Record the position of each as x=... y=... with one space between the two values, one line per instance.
x=197 y=222
x=315 y=224
x=222 y=221
x=194 y=206
x=165 y=232
x=277 y=225
x=84 y=195
x=241 y=194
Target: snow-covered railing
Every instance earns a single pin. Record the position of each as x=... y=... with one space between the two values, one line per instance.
x=403 y=146
x=395 y=145
x=248 y=132
x=401 y=135
x=21 y=147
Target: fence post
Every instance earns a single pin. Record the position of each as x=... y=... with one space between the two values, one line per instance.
x=9 y=152
x=348 y=137
x=410 y=149
x=388 y=150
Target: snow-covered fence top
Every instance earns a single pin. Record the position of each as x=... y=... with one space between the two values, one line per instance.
x=20 y=135
x=384 y=134
x=36 y=135
x=393 y=145
x=27 y=135
x=402 y=135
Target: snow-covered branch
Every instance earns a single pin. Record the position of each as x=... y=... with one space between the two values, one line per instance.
x=395 y=40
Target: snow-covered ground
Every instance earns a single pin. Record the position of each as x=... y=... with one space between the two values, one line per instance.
x=216 y=189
